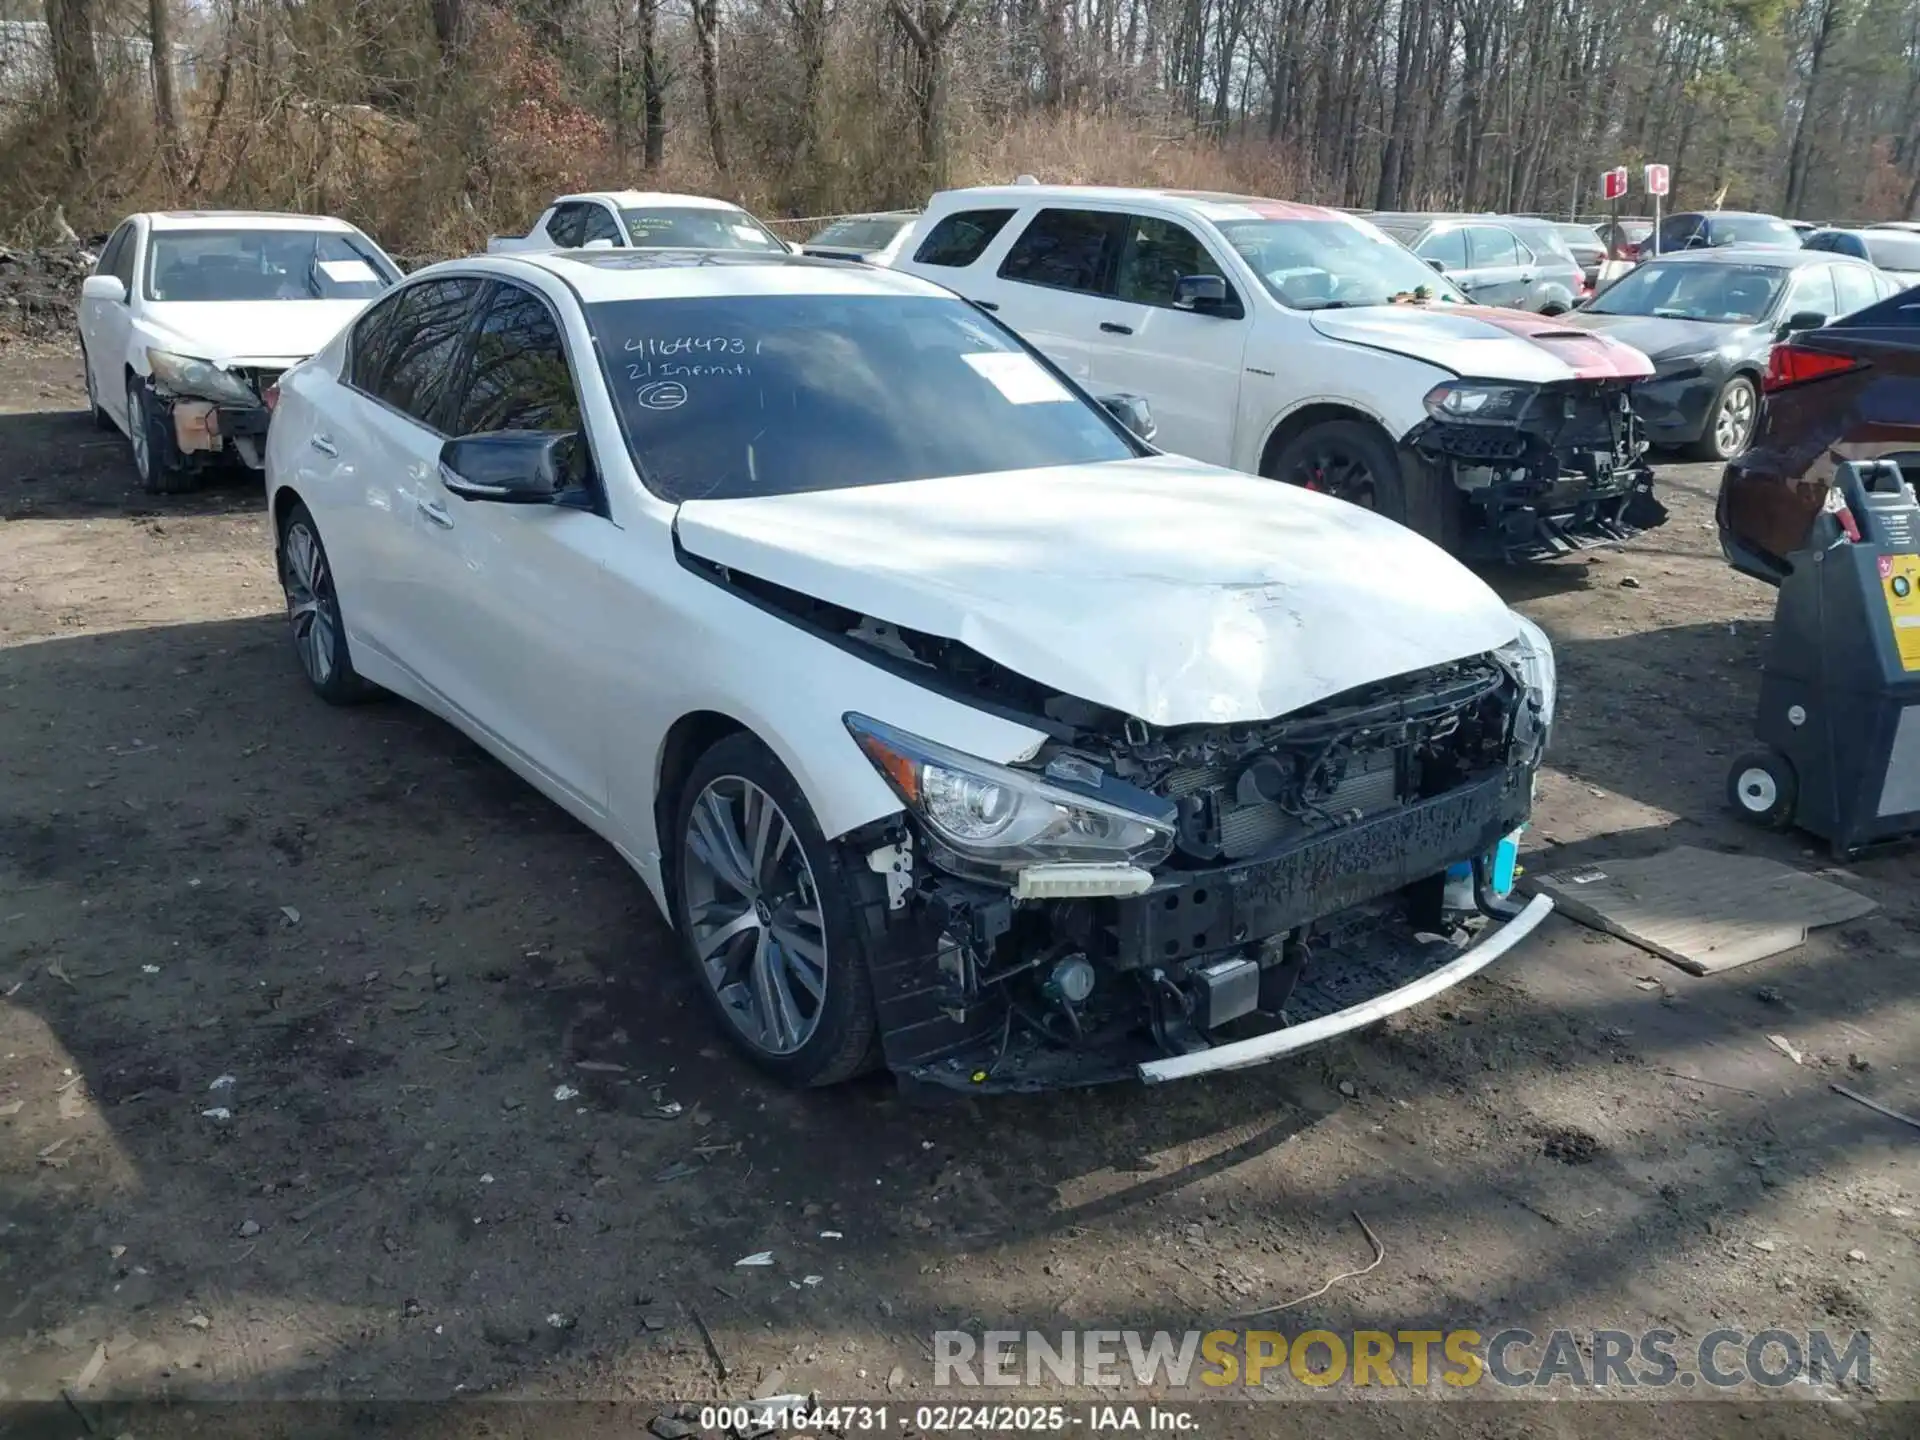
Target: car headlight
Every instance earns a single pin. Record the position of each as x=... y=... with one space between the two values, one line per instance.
x=1529 y=655
x=184 y=375
x=1006 y=819
x=1478 y=402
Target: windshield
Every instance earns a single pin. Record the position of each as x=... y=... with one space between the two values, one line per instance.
x=1334 y=264
x=1891 y=250
x=862 y=232
x=202 y=265
x=730 y=397
x=689 y=227
x=1722 y=294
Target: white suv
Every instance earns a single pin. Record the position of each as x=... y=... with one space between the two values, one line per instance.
x=1303 y=344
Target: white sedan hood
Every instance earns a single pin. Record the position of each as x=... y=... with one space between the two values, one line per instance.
x=229 y=331
x=1482 y=343
x=1171 y=591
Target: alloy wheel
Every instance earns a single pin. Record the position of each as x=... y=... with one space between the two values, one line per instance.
x=137 y=432
x=754 y=915
x=1338 y=472
x=1733 y=422
x=311 y=606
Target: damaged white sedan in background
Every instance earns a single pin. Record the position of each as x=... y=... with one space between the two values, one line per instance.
x=190 y=316
x=953 y=727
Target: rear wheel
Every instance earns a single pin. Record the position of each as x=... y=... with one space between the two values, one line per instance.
x=766 y=913
x=1730 y=422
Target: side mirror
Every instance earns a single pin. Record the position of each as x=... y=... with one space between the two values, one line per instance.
x=1803 y=320
x=1132 y=410
x=512 y=467
x=103 y=287
x=1439 y=267
x=1206 y=294
x=601 y=244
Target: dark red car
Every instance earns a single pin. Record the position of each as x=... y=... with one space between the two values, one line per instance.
x=1846 y=391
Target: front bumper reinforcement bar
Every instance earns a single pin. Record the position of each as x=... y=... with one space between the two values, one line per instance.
x=1261 y=1048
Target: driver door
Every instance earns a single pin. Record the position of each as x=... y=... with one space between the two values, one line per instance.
x=1186 y=363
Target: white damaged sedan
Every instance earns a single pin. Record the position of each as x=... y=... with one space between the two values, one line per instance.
x=953 y=727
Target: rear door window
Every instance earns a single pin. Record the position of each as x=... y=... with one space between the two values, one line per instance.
x=961 y=238
x=404 y=349
x=1067 y=250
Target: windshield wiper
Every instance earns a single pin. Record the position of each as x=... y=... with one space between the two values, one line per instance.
x=1342 y=305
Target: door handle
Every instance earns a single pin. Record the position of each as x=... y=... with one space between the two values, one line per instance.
x=434 y=511
x=323 y=445
x=1113 y=327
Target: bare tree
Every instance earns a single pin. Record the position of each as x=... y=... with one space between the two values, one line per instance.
x=927 y=25
x=166 y=97
x=706 y=34
x=76 y=75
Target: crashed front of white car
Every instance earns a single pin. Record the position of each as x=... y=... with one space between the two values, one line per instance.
x=1272 y=738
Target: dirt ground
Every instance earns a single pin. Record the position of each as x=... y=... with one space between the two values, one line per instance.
x=298 y=1000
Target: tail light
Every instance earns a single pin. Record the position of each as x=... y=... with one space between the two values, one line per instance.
x=270 y=397
x=1789 y=364
x=1629 y=250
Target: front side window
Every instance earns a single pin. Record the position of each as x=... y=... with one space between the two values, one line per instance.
x=1811 y=293
x=1853 y=288
x=599 y=225
x=732 y=397
x=403 y=351
x=567 y=226
x=1449 y=247
x=1157 y=253
x=1066 y=250
x=1687 y=290
x=198 y=266
x=1324 y=264
x=962 y=237
x=109 y=261
x=516 y=375
x=688 y=227
x=1491 y=245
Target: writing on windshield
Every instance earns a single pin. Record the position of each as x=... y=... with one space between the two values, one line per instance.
x=730 y=397
x=670 y=227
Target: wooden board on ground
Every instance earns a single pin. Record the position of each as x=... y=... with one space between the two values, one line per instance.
x=1703 y=910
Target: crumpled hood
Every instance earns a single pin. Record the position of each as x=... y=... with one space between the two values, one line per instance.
x=1486 y=344
x=1168 y=590
x=225 y=331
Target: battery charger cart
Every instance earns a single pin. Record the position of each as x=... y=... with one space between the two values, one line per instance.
x=1839 y=721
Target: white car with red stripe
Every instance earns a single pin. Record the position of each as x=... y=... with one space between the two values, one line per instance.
x=1305 y=345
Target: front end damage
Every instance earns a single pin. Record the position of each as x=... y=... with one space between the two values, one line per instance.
x=231 y=423
x=1541 y=471
x=1288 y=881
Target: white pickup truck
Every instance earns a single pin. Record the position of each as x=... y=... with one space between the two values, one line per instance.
x=1303 y=344
x=641 y=220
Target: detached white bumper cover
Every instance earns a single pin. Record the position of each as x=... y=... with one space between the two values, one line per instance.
x=1271 y=1046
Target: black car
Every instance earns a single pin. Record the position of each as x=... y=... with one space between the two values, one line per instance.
x=1710 y=229
x=1707 y=318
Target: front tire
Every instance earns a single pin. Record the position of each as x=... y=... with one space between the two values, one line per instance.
x=156 y=454
x=1348 y=460
x=765 y=910
x=313 y=612
x=1730 y=422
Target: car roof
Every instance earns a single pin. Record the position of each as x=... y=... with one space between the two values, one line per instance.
x=640 y=199
x=1752 y=255
x=1213 y=204
x=1726 y=215
x=242 y=220
x=599 y=276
